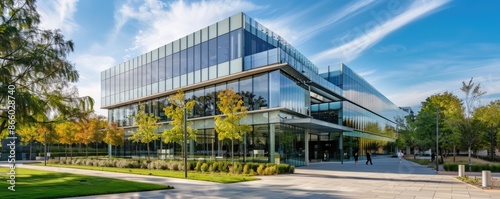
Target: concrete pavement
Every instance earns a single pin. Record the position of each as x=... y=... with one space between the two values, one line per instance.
x=386 y=178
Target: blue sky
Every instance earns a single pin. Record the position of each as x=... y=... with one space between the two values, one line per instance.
x=408 y=50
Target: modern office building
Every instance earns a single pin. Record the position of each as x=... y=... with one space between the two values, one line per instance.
x=293 y=110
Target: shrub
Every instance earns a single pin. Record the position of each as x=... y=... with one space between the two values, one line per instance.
x=215 y=167
x=238 y=168
x=204 y=167
x=271 y=170
x=252 y=173
x=260 y=169
x=198 y=166
x=245 y=169
x=175 y=166
x=211 y=168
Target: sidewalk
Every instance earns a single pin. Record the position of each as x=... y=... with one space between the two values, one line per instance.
x=386 y=178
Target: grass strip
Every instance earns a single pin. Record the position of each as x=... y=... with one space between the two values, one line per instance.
x=30 y=183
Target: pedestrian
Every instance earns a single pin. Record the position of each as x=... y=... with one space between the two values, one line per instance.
x=368 y=158
x=433 y=157
x=356 y=158
x=400 y=155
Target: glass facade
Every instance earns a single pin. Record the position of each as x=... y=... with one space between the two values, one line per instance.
x=236 y=53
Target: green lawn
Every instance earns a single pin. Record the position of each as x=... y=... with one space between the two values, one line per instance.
x=44 y=184
x=211 y=177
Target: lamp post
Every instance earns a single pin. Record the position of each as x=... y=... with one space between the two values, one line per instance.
x=437 y=138
x=185 y=145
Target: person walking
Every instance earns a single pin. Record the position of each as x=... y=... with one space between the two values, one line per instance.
x=400 y=155
x=356 y=158
x=368 y=158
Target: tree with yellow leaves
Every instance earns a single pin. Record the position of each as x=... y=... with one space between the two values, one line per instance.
x=175 y=111
x=146 y=127
x=114 y=136
x=66 y=132
x=228 y=125
x=28 y=134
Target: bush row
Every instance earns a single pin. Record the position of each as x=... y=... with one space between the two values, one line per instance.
x=246 y=168
x=474 y=168
x=75 y=154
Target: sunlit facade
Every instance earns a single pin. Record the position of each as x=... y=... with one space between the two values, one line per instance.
x=294 y=111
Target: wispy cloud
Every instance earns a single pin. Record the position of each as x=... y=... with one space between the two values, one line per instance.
x=348 y=50
x=286 y=24
x=161 y=23
x=58 y=14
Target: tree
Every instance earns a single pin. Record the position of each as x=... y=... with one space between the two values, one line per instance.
x=449 y=109
x=146 y=127
x=95 y=130
x=175 y=111
x=469 y=128
x=228 y=125
x=114 y=136
x=66 y=132
x=35 y=62
x=46 y=134
x=28 y=134
x=490 y=116
x=83 y=136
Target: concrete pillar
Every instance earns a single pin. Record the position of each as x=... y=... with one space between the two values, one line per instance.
x=306 y=143
x=272 y=142
x=341 y=147
x=461 y=170
x=486 y=178
x=110 y=150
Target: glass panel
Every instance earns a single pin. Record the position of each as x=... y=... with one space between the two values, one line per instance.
x=198 y=107
x=260 y=91
x=190 y=59
x=246 y=92
x=235 y=44
x=168 y=66
x=209 y=101
x=176 y=64
x=161 y=69
x=218 y=88
x=197 y=57
x=223 y=48
x=154 y=72
x=212 y=52
x=183 y=59
x=274 y=89
x=204 y=55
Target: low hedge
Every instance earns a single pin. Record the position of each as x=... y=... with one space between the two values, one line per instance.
x=247 y=168
x=474 y=168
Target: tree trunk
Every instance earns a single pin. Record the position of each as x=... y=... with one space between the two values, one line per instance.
x=96 y=154
x=232 y=154
x=71 y=152
x=65 y=152
x=148 y=151
x=31 y=146
x=469 y=159
x=454 y=153
x=87 y=151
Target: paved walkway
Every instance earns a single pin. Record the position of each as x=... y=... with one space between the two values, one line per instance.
x=386 y=178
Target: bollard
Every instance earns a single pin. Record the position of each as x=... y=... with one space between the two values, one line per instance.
x=461 y=170
x=486 y=178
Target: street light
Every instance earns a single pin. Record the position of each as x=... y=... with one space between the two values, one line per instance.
x=437 y=138
x=185 y=145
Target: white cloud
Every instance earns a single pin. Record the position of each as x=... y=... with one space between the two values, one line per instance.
x=375 y=31
x=58 y=14
x=90 y=67
x=161 y=23
x=286 y=25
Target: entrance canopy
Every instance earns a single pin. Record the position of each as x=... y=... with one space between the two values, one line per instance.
x=317 y=125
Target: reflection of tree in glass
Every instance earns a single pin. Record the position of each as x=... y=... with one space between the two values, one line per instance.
x=251 y=102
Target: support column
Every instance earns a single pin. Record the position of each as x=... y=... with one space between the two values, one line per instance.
x=110 y=150
x=341 y=147
x=271 y=142
x=306 y=145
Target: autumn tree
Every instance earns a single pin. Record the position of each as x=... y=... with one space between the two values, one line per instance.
x=95 y=129
x=175 y=111
x=66 y=132
x=46 y=134
x=28 y=134
x=228 y=125
x=114 y=136
x=146 y=127
x=83 y=136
